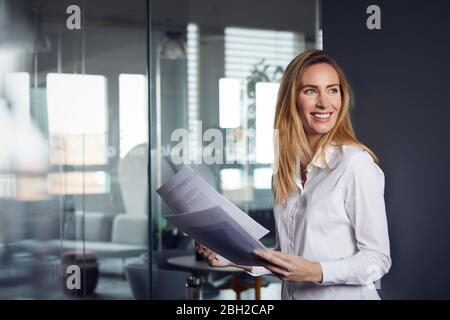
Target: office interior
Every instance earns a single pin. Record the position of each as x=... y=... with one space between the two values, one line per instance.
x=93 y=117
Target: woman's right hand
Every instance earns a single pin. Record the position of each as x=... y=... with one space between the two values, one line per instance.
x=210 y=256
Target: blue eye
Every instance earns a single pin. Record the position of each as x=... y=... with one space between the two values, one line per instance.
x=309 y=91
x=334 y=90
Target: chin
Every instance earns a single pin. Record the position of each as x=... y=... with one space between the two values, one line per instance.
x=322 y=130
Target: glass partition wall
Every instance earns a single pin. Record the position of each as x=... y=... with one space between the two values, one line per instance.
x=216 y=67
x=74 y=121
x=93 y=94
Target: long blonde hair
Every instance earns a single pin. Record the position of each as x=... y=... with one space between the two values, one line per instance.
x=290 y=140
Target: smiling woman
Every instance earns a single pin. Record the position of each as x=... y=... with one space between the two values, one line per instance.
x=331 y=227
x=319 y=100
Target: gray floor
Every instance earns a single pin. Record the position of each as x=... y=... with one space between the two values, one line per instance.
x=112 y=285
x=116 y=288
x=271 y=292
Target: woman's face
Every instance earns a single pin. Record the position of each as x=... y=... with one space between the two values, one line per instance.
x=319 y=99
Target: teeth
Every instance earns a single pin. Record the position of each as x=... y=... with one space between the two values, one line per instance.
x=322 y=115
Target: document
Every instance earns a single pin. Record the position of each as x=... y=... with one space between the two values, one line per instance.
x=215 y=229
x=211 y=219
x=186 y=191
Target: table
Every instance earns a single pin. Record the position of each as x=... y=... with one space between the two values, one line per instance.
x=189 y=263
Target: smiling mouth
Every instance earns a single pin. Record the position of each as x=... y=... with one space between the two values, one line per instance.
x=321 y=116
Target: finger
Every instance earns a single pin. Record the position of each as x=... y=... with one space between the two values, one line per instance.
x=200 y=252
x=215 y=263
x=268 y=256
x=212 y=256
x=211 y=253
x=280 y=258
x=279 y=272
x=207 y=252
x=281 y=255
x=204 y=251
x=288 y=259
x=212 y=260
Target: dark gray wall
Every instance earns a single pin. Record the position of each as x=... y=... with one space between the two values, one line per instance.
x=401 y=79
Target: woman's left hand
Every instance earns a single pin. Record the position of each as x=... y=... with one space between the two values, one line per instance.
x=290 y=267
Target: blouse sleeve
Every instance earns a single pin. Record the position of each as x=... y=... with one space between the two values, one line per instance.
x=364 y=203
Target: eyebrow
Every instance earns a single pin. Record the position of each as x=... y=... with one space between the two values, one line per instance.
x=313 y=86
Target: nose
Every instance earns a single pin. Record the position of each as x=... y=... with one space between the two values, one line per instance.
x=322 y=101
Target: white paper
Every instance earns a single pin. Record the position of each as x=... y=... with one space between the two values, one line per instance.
x=215 y=229
x=186 y=191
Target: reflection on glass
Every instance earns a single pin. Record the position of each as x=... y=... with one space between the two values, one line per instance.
x=231 y=179
x=133 y=110
x=262 y=178
x=77 y=129
x=173 y=46
x=17 y=92
x=230 y=103
x=77 y=118
x=245 y=47
x=234 y=185
x=69 y=100
x=228 y=84
x=192 y=53
x=76 y=103
x=266 y=96
x=78 y=183
x=77 y=149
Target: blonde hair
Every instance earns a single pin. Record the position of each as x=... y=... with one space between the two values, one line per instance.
x=290 y=140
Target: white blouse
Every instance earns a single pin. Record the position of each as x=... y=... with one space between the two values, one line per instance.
x=339 y=220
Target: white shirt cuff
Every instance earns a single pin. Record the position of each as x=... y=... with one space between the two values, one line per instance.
x=334 y=272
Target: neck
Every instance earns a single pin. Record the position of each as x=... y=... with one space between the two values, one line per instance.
x=313 y=142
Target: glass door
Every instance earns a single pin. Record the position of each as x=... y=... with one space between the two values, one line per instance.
x=74 y=204
x=216 y=67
